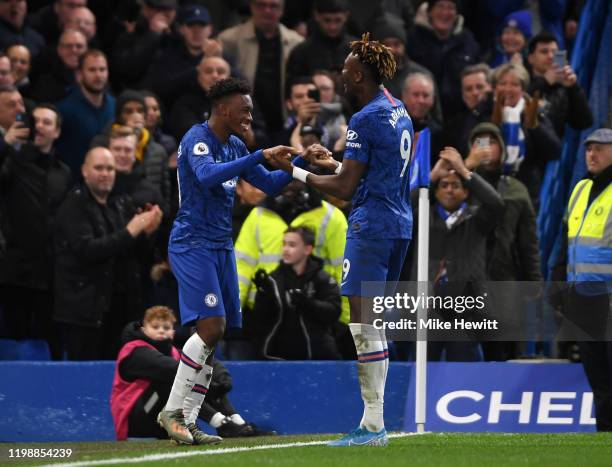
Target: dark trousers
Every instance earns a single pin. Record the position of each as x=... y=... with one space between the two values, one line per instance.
x=100 y=343
x=88 y=343
x=142 y=421
x=28 y=314
x=591 y=313
x=597 y=362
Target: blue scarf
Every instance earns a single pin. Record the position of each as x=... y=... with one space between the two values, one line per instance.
x=513 y=136
x=450 y=218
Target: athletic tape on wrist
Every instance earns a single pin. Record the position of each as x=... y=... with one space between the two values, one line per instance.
x=300 y=174
x=338 y=169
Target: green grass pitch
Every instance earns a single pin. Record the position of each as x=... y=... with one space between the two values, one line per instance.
x=439 y=449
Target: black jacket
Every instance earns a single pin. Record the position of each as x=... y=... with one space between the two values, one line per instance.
x=172 y=71
x=542 y=145
x=52 y=81
x=189 y=109
x=445 y=58
x=461 y=250
x=134 y=51
x=95 y=258
x=513 y=253
x=32 y=186
x=46 y=22
x=318 y=52
x=458 y=128
x=156 y=365
x=154 y=164
x=293 y=315
x=139 y=189
x=563 y=105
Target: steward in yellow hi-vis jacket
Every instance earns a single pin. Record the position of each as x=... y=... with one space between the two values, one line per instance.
x=260 y=241
x=589 y=270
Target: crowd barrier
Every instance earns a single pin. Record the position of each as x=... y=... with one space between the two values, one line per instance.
x=68 y=401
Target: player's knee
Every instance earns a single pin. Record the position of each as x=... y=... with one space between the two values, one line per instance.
x=211 y=330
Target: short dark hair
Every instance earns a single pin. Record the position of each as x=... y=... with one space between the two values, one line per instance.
x=8 y=88
x=330 y=6
x=228 y=87
x=307 y=235
x=476 y=68
x=295 y=81
x=91 y=53
x=435 y=185
x=543 y=37
x=52 y=108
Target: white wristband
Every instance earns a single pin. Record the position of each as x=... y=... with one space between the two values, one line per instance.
x=300 y=174
x=339 y=168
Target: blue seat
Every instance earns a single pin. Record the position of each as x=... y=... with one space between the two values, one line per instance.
x=9 y=349
x=34 y=349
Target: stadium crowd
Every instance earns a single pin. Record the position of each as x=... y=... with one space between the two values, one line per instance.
x=95 y=95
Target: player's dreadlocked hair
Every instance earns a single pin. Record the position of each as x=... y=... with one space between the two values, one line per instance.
x=227 y=87
x=376 y=56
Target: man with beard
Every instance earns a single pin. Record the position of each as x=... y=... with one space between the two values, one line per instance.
x=86 y=110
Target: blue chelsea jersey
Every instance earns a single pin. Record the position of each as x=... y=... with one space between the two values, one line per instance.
x=380 y=136
x=204 y=217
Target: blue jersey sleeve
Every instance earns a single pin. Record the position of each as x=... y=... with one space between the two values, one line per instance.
x=210 y=173
x=271 y=182
x=358 y=139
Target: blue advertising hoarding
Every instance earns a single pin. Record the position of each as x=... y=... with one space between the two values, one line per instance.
x=504 y=397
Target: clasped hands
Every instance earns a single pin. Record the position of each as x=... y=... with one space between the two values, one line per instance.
x=315 y=154
x=449 y=162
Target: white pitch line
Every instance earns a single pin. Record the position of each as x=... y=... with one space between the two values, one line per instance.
x=207 y=452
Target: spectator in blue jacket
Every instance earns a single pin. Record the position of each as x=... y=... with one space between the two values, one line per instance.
x=86 y=110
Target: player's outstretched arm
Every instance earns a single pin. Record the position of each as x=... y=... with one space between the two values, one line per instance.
x=273 y=182
x=341 y=185
x=211 y=173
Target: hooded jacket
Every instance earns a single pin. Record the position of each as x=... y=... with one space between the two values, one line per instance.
x=293 y=315
x=142 y=363
x=512 y=248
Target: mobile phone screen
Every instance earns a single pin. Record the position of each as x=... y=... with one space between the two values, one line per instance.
x=560 y=58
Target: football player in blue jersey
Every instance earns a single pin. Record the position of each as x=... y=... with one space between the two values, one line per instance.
x=211 y=158
x=375 y=176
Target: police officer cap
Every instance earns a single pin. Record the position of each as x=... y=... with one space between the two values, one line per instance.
x=601 y=136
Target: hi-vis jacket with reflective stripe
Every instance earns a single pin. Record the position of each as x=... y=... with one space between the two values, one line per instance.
x=589 y=235
x=260 y=245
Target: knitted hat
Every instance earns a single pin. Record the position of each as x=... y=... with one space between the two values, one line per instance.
x=389 y=26
x=520 y=20
x=431 y=3
x=491 y=128
x=129 y=95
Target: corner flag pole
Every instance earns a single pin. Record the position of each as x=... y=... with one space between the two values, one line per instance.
x=420 y=414
x=419 y=178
